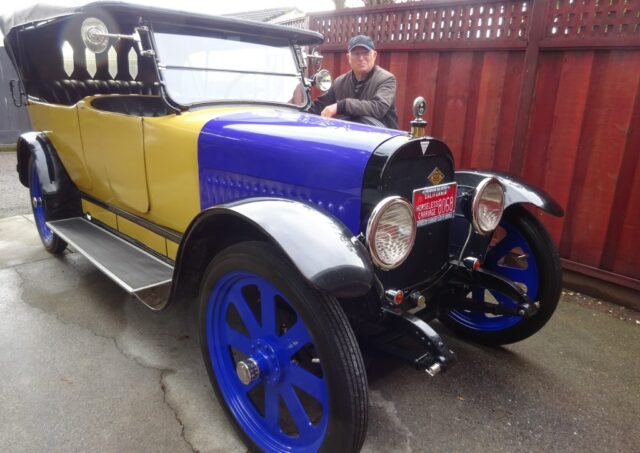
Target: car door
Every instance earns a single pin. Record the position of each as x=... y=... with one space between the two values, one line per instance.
x=114 y=154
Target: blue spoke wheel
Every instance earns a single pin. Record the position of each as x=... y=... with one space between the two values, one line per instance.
x=282 y=358
x=51 y=241
x=523 y=252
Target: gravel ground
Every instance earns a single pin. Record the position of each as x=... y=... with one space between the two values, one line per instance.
x=14 y=197
x=600 y=307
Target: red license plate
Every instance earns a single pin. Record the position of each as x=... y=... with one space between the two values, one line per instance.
x=434 y=204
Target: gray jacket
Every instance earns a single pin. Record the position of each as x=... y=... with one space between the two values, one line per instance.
x=374 y=96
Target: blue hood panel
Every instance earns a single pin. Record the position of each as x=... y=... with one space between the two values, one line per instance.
x=287 y=154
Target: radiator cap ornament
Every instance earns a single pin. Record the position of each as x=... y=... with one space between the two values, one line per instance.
x=418 y=124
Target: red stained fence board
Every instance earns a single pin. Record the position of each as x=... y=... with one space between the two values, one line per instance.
x=490 y=101
x=567 y=127
x=471 y=108
x=607 y=120
x=508 y=111
x=541 y=118
x=456 y=102
x=399 y=66
x=623 y=258
x=421 y=79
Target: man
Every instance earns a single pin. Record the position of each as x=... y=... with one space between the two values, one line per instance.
x=366 y=90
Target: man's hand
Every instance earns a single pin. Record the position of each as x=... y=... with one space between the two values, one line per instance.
x=330 y=111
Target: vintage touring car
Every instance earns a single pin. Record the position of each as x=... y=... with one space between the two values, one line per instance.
x=174 y=151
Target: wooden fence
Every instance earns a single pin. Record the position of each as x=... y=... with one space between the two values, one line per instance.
x=547 y=89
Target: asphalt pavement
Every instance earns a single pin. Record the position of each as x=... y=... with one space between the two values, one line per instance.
x=85 y=367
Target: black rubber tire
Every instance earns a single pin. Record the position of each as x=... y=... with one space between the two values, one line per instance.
x=53 y=244
x=550 y=284
x=333 y=337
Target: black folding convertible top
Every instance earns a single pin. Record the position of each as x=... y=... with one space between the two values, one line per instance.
x=167 y=19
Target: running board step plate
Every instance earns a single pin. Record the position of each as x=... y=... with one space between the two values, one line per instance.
x=138 y=272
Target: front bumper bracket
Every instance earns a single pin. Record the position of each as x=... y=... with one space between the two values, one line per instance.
x=435 y=357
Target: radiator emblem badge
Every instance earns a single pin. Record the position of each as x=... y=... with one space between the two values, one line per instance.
x=436 y=176
x=424 y=145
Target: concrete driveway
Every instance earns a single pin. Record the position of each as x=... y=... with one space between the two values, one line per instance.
x=14 y=198
x=84 y=367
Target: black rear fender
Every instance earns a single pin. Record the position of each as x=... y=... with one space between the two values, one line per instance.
x=49 y=167
x=61 y=196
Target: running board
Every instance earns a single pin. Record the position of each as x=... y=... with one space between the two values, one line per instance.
x=138 y=272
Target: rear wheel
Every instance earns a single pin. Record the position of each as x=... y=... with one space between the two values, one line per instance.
x=522 y=251
x=51 y=241
x=282 y=357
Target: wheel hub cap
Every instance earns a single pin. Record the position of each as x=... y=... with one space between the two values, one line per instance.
x=265 y=357
x=263 y=363
x=248 y=371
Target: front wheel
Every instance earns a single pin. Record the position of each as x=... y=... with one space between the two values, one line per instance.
x=51 y=241
x=522 y=251
x=282 y=358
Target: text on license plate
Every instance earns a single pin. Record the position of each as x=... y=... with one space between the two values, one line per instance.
x=434 y=204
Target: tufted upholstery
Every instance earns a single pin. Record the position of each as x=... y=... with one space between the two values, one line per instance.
x=70 y=91
x=132 y=105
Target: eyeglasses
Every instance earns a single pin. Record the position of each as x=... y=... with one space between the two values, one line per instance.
x=360 y=53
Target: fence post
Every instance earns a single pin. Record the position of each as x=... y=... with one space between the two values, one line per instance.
x=535 y=34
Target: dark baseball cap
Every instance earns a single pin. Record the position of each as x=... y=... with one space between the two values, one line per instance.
x=361 y=41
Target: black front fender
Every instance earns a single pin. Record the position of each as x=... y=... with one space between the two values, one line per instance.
x=324 y=251
x=516 y=190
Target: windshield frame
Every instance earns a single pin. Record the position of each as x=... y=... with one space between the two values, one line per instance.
x=299 y=73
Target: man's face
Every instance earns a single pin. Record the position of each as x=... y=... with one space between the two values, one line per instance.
x=361 y=60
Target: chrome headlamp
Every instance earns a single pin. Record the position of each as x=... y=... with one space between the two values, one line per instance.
x=323 y=80
x=487 y=206
x=391 y=232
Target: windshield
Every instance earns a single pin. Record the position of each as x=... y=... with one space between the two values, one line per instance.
x=203 y=69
